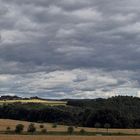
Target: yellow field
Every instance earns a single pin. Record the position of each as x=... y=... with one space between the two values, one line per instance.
x=34 y=101
x=4 y=123
x=23 y=137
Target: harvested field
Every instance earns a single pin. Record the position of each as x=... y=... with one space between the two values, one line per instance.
x=23 y=137
x=4 y=123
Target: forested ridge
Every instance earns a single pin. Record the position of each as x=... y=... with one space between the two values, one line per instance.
x=118 y=112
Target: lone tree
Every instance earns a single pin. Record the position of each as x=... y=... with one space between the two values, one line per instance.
x=70 y=130
x=97 y=125
x=107 y=126
x=136 y=126
x=31 y=128
x=19 y=128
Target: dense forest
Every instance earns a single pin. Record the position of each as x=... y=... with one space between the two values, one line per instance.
x=118 y=112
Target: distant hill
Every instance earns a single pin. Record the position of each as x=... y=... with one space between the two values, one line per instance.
x=8 y=97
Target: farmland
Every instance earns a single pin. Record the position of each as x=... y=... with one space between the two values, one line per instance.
x=46 y=102
x=4 y=123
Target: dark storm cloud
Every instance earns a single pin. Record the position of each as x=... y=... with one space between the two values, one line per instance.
x=66 y=35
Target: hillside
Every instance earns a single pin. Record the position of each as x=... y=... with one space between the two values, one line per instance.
x=118 y=112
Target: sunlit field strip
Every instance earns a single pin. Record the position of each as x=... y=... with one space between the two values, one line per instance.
x=31 y=137
x=34 y=101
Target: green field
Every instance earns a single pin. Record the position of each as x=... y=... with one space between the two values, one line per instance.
x=46 y=102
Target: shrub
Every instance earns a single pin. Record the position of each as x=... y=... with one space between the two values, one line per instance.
x=19 y=128
x=41 y=126
x=44 y=131
x=82 y=131
x=54 y=125
x=31 y=128
x=8 y=129
x=70 y=130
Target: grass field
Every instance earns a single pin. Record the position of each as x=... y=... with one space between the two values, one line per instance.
x=47 y=102
x=30 y=137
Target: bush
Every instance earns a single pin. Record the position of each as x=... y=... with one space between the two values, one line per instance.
x=41 y=126
x=8 y=129
x=31 y=128
x=44 y=131
x=76 y=126
x=19 y=128
x=70 y=130
x=82 y=131
x=54 y=125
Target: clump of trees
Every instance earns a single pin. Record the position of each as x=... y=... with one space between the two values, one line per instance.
x=107 y=126
x=31 y=128
x=70 y=130
x=19 y=128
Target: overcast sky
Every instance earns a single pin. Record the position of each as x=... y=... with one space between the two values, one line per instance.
x=70 y=48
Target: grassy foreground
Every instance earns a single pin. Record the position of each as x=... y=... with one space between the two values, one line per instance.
x=30 y=137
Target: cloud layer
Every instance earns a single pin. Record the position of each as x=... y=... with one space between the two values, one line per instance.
x=69 y=48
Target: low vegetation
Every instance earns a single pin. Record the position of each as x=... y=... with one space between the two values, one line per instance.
x=19 y=128
x=70 y=130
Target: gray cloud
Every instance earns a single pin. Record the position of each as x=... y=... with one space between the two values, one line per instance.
x=94 y=41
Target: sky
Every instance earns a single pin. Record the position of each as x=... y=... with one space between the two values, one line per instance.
x=70 y=48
